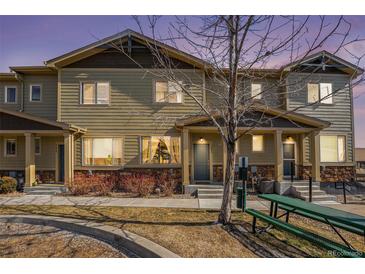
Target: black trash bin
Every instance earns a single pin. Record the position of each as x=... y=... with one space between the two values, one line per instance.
x=239 y=191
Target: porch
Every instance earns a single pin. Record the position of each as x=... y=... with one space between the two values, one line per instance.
x=32 y=146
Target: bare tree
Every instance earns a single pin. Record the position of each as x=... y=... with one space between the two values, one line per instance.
x=235 y=51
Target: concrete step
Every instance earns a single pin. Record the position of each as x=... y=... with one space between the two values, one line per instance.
x=314 y=192
x=210 y=196
x=301 y=184
x=320 y=198
x=210 y=191
x=306 y=187
x=44 y=190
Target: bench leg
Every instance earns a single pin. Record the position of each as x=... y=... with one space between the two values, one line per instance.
x=287 y=217
x=254 y=225
x=271 y=208
x=276 y=210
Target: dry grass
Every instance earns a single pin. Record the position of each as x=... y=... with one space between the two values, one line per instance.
x=191 y=233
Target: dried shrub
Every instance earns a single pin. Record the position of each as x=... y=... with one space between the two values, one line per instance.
x=92 y=184
x=7 y=185
x=141 y=184
x=166 y=183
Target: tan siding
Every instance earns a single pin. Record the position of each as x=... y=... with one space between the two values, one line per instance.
x=265 y=157
x=47 y=108
x=13 y=163
x=131 y=112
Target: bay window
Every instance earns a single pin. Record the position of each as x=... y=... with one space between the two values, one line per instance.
x=168 y=92
x=95 y=93
x=160 y=150
x=333 y=148
x=102 y=151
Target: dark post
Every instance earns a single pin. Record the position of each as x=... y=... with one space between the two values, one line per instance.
x=310 y=189
x=244 y=195
x=344 y=191
x=292 y=171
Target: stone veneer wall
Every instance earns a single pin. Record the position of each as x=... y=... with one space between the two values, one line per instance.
x=329 y=174
x=264 y=171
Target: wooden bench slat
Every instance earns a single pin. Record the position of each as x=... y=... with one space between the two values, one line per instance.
x=342 y=250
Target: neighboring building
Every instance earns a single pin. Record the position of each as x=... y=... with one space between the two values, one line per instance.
x=360 y=163
x=94 y=109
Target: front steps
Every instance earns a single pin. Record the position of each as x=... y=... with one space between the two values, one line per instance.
x=300 y=189
x=44 y=189
x=210 y=192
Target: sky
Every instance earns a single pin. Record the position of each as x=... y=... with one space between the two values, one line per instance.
x=30 y=40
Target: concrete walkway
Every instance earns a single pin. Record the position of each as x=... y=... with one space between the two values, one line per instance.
x=213 y=204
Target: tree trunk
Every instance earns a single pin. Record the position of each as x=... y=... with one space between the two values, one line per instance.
x=226 y=208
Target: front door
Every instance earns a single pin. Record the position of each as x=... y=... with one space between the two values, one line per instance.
x=289 y=159
x=201 y=162
x=61 y=163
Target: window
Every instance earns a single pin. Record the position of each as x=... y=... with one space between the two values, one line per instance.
x=10 y=147
x=102 y=151
x=256 y=91
x=37 y=145
x=10 y=95
x=96 y=93
x=333 y=148
x=168 y=92
x=35 y=93
x=321 y=92
x=257 y=143
x=160 y=150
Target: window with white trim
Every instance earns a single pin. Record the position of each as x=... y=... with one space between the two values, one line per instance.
x=168 y=92
x=161 y=150
x=333 y=148
x=100 y=151
x=256 y=91
x=10 y=94
x=10 y=147
x=35 y=93
x=257 y=143
x=321 y=92
x=37 y=145
x=95 y=93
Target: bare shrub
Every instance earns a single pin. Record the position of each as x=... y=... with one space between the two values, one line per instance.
x=7 y=185
x=141 y=184
x=92 y=184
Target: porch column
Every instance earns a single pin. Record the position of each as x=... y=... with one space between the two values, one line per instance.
x=29 y=159
x=315 y=156
x=68 y=157
x=185 y=164
x=278 y=144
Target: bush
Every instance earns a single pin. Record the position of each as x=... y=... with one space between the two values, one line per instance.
x=141 y=184
x=95 y=184
x=7 y=185
x=166 y=183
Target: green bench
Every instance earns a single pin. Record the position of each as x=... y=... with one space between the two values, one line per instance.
x=333 y=217
x=340 y=249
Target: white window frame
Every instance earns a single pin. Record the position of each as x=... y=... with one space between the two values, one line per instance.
x=259 y=95
x=158 y=136
x=5 y=145
x=6 y=95
x=31 y=93
x=345 y=147
x=167 y=100
x=95 y=103
x=40 y=146
x=263 y=143
x=102 y=137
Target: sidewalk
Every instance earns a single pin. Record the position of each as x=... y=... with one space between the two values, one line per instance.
x=213 y=204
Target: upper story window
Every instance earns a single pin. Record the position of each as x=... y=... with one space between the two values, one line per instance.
x=168 y=92
x=37 y=145
x=95 y=93
x=257 y=143
x=102 y=151
x=321 y=92
x=160 y=150
x=35 y=93
x=10 y=147
x=333 y=148
x=10 y=94
x=256 y=91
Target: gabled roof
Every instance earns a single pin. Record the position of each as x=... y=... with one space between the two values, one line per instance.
x=33 y=70
x=97 y=47
x=341 y=64
x=275 y=112
x=60 y=125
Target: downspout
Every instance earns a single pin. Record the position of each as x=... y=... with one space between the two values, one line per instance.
x=19 y=77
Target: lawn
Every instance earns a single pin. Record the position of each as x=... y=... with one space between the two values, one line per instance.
x=192 y=233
